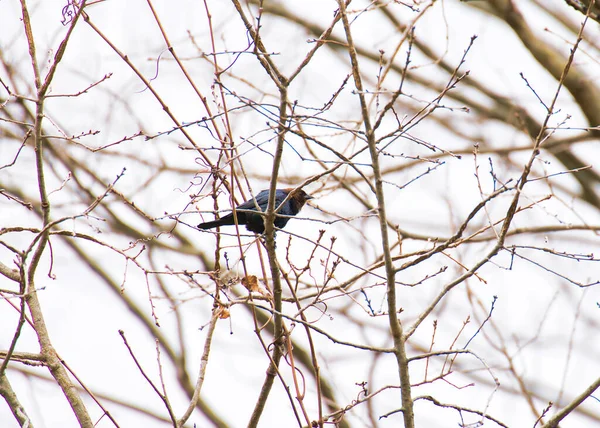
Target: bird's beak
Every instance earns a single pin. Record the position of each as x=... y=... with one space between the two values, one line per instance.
x=309 y=197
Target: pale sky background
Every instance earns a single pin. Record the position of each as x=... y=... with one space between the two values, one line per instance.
x=84 y=317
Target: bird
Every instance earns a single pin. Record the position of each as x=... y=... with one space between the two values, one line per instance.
x=248 y=215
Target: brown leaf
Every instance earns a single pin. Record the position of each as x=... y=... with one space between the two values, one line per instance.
x=250 y=282
x=224 y=313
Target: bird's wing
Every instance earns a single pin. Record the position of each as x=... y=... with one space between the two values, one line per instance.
x=261 y=200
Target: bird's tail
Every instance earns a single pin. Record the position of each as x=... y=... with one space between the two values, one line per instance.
x=223 y=221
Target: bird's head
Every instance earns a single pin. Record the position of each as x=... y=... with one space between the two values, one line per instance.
x=300 y=197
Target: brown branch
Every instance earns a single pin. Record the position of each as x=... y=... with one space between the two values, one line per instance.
x=559 y=416
x=394 y=322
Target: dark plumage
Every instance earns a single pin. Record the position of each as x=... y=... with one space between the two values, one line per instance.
x=254 y=221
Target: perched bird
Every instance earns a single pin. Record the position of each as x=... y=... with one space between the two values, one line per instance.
x=247 y=212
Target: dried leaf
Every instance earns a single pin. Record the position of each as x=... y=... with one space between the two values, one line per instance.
x=224 y=313
x=250 y=282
